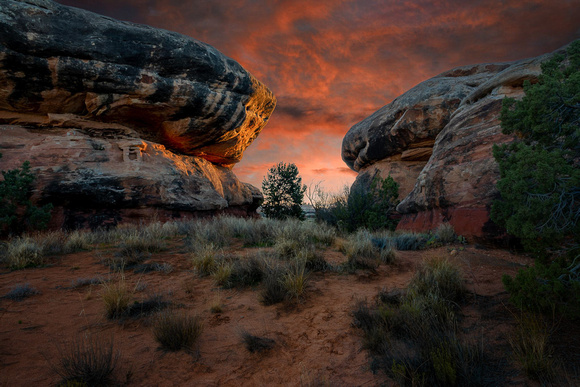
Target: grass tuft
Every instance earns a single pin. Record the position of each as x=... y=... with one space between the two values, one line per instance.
x=273 y=290
x=409 y=241
x=413 y=336
x=294 y=280
x=531 y=349
x=117 y=298
x=445 y=233
x=19 y=292
x=23 y=253
x=82 y=282
x=204 y=260
x=255 y=343
x=441 y=277
x=88 y=360
x=175 y=330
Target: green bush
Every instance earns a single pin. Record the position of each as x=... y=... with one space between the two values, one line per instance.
x=546 y=288
x=17 y=213
x=283 y=192
x=539 y=173
x=540 y=185
x=371 y=209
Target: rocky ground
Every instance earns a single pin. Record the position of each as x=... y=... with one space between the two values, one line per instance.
x=315 y=340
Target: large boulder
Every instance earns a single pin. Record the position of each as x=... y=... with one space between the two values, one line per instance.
x=398 y=139
x=458 y=111
x=123 y=117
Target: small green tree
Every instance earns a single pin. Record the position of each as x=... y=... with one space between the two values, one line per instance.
x=540 y=185
x=540 y=174
x=371 y=209
x=283 y=192
x=17 y=213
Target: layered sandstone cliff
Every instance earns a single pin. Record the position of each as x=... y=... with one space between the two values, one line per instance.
x=119 y=119
x=436 y=140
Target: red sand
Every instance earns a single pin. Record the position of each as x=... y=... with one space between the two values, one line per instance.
x=315 y=342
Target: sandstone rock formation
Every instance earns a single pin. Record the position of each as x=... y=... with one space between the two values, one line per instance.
x=123 y=117
x=436 y=140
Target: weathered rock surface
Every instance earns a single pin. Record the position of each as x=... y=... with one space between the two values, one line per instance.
x=169 y=88
x=96 y=181
x=459 y=112
x=122 y=120
x=398 y=139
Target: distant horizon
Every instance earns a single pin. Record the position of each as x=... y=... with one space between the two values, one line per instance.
x=331 y=64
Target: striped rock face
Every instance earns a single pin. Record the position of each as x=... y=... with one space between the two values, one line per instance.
x=167 y=87
x=122 y=120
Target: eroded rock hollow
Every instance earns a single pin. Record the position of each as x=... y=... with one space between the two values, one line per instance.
x=123 y=120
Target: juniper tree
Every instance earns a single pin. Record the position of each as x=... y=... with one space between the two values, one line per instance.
x=283 y=192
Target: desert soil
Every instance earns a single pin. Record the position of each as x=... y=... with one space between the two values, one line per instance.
x=315 y=341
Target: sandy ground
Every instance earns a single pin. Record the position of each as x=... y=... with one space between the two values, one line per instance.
x=316 y=343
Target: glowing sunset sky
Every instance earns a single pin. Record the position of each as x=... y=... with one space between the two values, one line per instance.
x=332 y=63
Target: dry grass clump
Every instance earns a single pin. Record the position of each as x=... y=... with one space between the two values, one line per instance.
x=222 y=273
x=216 y=305
x=159 y=231
x=294 y=280
x=286 y=248
x=438 y=276
x=305 y=232
x=24 y=252
x=206 y=232
x=255 y=343
x=445 y=233
x=205 y=259
x=175 y=330
x=312 y=259
x=87 y=360
x=283 y=281
x=413 y=336
x=260 y=232
x=365 y=251
x=19 y=292
x=409 y=241
x=235 y=226
x=140 y=243
x=52 y=243
x=134 y=247
x=78 y=241
x=531 y=348
x=273 y=290
x=152 y=304
x=82 y=282
x=246 y=272
x=117 y=297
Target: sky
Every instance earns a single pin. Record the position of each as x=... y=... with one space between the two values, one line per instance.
x=331 y=63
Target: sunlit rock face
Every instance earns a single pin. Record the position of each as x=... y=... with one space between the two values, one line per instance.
x=123 y=116
x=436 y=140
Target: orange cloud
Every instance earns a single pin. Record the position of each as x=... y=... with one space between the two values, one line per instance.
x=332 y=63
